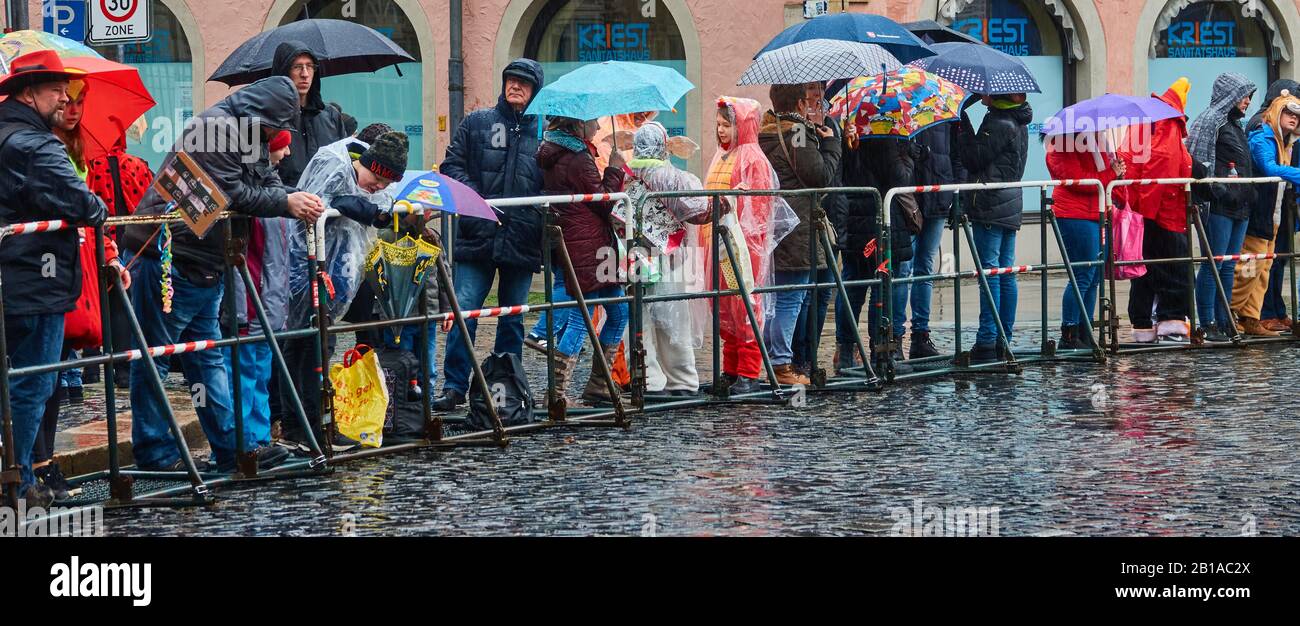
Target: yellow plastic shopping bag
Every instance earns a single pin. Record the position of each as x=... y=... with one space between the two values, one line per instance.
x=360 y=396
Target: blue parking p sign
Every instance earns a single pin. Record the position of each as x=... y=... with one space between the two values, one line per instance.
x=65 y=18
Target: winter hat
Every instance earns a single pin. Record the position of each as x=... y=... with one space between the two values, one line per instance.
x=280 y=140
x=1180 y=89
x=386 y=157
x=372 y=132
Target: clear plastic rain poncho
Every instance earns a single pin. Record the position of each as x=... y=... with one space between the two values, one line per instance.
x=330 y=175
x=758 y=223
x=677 y=254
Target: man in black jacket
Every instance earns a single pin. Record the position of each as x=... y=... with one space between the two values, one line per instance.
x=317 y=124
x=494 y=152
x=996 y=154
x=41 y=272
x=229 y=142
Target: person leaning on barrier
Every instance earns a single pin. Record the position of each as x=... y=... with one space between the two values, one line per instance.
x=494 y=152
x=239 y=168
x=41 y=272
x=1158 y=303
x=996 y=154
x=1273 y=314
x=805 y=156
x=1218 y=143
x=353 y=178
x=671 y=331
x=1272 y=148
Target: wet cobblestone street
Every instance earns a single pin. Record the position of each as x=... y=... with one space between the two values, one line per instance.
x=1161 y=444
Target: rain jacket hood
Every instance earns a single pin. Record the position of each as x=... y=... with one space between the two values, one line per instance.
x=1203 y=134
x=1274 y=91
x=1163 y=156
x=273 y=101
x=285 y=53
x=528 y=70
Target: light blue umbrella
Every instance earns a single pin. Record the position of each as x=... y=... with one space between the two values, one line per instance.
x=610 y=88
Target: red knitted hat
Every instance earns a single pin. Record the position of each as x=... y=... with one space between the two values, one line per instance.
x=280 y=140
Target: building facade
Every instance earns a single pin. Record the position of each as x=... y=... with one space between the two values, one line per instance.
x=1077 y=49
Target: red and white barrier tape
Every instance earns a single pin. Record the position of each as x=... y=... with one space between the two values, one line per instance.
x=178 y=348
x=999 y=271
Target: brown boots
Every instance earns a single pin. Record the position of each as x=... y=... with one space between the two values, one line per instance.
x=1254 y=328
x=788 y=375
x=597 y=389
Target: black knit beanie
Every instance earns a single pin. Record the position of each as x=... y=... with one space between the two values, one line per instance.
x=372 y=132
x=387 y=156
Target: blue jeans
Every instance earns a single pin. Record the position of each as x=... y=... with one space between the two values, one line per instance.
x=1226 y=236
x=194 y=317
x=799 y=345
x=255 y=374
x=558 y=294
x=1082 y=239
x=996 y=247
x=473 y=281
x=925 y=247
x=779 y=331
x=31 y=340
x=410 y=337
x=1274 y=307
x=575 y=332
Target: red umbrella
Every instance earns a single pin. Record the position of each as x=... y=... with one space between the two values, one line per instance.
x=115 y=99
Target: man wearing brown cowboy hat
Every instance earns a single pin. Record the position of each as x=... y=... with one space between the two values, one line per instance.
x=41 y=272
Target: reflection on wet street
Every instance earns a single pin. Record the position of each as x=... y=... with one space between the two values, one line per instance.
x=1163 y=444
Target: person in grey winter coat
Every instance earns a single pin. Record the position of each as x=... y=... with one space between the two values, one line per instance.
x=239 y=128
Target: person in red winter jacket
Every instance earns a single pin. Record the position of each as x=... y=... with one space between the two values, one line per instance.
x=1080 y=156
x=1161 y=153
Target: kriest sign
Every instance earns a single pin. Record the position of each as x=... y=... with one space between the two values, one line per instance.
x=119 y=21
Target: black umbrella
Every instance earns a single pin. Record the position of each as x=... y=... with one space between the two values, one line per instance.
x=931 y=31
x=343 y=47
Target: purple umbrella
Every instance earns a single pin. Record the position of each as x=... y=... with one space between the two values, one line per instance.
x=441 y=193
x=1107 y=112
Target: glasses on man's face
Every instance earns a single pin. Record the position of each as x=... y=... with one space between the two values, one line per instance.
x=304 y=68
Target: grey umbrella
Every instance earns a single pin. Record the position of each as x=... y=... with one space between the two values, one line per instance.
x=818 y=60
x=343 y=47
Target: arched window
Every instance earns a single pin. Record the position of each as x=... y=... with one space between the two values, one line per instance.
x=1201 y=40
x=570 y=33
x=166 y=69
x=1025 y=30
x=383 y=96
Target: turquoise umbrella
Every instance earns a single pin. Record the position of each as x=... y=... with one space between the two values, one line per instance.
x=611 y=88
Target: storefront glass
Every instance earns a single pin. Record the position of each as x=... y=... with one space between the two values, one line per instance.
x=570 y=33
x=1204 y=40
x=1026 y=31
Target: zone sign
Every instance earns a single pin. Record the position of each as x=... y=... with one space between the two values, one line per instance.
x=119 y=21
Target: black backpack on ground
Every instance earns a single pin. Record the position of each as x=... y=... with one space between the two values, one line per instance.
x=405 y=419
x=508 y=385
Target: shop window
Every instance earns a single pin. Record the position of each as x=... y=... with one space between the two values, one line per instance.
x=1203 y=40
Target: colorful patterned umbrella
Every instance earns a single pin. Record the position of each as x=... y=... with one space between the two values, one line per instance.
x=442 y=193
x=395 y=269
x=901 y=103
x=115 y=95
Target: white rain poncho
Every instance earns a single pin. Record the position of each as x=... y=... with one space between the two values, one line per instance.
x=330 y=175
x=677 y=256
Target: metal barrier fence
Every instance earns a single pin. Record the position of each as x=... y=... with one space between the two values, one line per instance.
x=556 y=257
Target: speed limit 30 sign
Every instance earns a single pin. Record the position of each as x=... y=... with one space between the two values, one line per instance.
x=118 y=21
